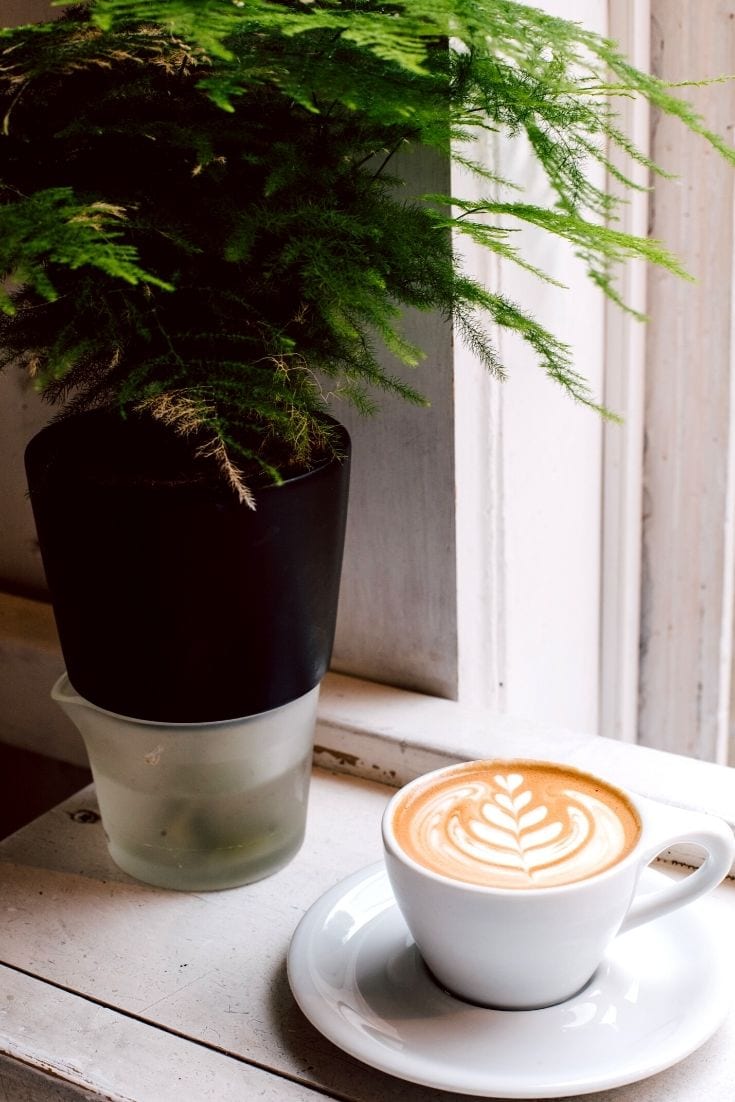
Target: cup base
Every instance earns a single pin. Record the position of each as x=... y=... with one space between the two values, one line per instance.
x=495 y=1005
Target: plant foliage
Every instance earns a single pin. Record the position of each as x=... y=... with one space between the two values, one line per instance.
x=198 y=214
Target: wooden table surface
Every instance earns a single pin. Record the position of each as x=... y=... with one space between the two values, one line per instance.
x=113 y=990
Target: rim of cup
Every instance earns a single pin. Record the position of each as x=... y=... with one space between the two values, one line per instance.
x=396 y=850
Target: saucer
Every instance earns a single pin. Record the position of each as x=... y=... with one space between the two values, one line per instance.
x=660 y=993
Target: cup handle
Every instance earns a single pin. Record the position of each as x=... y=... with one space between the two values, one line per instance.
x=670 y=826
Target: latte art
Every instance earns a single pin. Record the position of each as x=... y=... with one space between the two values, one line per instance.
x=528 y=825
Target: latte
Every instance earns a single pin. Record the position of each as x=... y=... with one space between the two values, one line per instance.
x=515 y=824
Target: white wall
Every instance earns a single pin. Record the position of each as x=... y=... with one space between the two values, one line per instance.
x=21 y=414
x=686 y=637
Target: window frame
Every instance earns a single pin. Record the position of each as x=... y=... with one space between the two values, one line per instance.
x=465 y=482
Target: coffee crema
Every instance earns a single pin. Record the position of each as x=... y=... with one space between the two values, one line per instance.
x=517 y=824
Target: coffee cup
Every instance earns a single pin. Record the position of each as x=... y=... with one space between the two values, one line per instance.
x=514 y=876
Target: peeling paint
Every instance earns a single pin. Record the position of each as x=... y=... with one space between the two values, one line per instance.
x=341 y=756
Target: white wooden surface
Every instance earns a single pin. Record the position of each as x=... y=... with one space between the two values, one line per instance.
x=366 y=729
x=113 y=990
x=686 y=636
x=472 y=568
x=58 y=1046
x=370 y=730
x=552 y=454
x=623 y=444
x=479 y=490
x=397 y=616
x=30 y=663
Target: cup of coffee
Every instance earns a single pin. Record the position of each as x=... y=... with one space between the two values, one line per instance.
x=513 y=877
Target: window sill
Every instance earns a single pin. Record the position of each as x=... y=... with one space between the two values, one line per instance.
x=375 y=731
x=365 y=729
x=114 y=990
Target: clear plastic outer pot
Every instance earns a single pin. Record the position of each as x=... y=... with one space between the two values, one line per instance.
x=199 y=806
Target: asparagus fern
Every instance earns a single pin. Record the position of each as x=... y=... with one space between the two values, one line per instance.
x=198 y=215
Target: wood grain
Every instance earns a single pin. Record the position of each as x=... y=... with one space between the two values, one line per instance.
x=686 y=629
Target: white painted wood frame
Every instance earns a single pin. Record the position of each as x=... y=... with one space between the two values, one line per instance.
x=625 y=352
x=526 y=627
x=473 y=558
x=688 y=553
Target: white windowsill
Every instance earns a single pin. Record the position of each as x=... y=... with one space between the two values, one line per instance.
x=114 y=990
x=387 y=734
x=366 y=729
x=195 y=981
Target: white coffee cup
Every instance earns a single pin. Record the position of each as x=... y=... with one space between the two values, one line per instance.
x=528 y=947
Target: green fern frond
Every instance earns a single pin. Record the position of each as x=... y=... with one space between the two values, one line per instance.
x=52 y=227
x=199 y=204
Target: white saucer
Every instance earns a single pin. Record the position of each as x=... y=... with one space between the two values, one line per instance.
x=356 y=975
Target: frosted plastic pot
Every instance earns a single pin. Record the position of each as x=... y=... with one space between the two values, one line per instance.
x=198 y=806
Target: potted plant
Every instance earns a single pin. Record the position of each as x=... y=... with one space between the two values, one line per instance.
x=203 y=245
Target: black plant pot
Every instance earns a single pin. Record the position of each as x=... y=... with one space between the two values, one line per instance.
x=174 y=602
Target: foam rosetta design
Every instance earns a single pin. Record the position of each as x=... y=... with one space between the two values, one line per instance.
x=518 y=828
